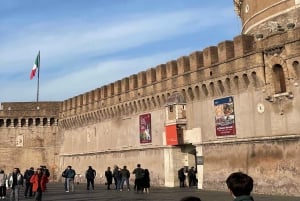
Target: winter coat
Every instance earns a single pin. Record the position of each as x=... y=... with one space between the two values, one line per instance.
x=9 y=181
x=3 y=178
x=35 y=182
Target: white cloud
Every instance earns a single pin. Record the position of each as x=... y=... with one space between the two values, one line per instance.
x=66 y=45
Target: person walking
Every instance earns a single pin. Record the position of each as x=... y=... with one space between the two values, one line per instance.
x=28 y=186
x=69 y=175
x=38 y=181
x=14 y=182
x=108 y=175
x=139 y=175
x=125 y=175
x=3 y=178
x=90 y=175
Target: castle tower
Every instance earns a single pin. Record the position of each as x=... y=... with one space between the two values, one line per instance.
x=264 y=17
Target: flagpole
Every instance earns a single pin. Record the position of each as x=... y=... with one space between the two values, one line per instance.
x=38 y=80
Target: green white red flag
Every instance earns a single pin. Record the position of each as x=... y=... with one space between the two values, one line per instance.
x=35 y=67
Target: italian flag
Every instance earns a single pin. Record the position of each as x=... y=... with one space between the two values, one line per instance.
x=36 y=66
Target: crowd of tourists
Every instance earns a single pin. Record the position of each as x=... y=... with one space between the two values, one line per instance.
x=119 y=176
x=239 y=184
x=34 y=180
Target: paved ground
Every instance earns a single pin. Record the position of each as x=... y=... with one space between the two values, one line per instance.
x=56 y=192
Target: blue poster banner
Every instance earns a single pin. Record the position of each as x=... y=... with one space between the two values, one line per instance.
x=224 y=116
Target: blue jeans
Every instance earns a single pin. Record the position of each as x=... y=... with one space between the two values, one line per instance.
x=70 y=184
x=123 y=181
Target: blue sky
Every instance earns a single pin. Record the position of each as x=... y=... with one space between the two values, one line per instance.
x=86 y=44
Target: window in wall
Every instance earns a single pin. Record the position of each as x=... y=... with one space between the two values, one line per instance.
x=278 y=78
x=37 y=121
x=8 y=122
x=23 y=122
x=296 y=67
x=16 y=121
x=30 y=122
x=45 y=121
x=171 y=108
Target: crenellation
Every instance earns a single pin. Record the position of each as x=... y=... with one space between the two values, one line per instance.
x=104 y=93
x=133 y=83
x=183 y=64
x=142 y=79
x=225 y=50
x=69 y=104
x=125 y=85
x=196 y=60
x=111 y=90
x=85 y=102
x=161 y=72
x=98 y=95
x=171 y=68
x=79 y=103
x=243 y=44
x=73 y=106
x=151 y=76
x=210 y=56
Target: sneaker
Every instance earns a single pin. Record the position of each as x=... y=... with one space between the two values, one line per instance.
x=67 y=191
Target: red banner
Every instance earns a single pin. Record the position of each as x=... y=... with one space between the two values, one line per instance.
x=145 y=128
x=171 y=135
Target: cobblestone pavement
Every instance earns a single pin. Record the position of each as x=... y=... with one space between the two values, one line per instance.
x=56 y=192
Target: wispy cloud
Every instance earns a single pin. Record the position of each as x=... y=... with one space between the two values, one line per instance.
x=79 y=55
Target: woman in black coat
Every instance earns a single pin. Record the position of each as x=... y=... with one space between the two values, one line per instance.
x=146 y=181
x=108 y=175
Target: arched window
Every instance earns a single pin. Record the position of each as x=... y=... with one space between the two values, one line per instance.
x=45 y=121
x=37 y=121
x=296 y=67
x=23 y=122
x=52 y=121
x=278 y=78
x=30 y=122
x=16 y=122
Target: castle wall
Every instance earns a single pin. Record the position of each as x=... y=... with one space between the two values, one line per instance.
x=29 y=136
x=273 y=164
x=243 y=69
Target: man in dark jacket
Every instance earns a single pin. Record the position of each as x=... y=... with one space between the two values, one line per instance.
x=69 y=175
x=90 y=175
x=240 y=186
x=181 y=177
x=28 y=186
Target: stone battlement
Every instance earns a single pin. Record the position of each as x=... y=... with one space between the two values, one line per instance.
x=123 y=90
x=199 y=66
